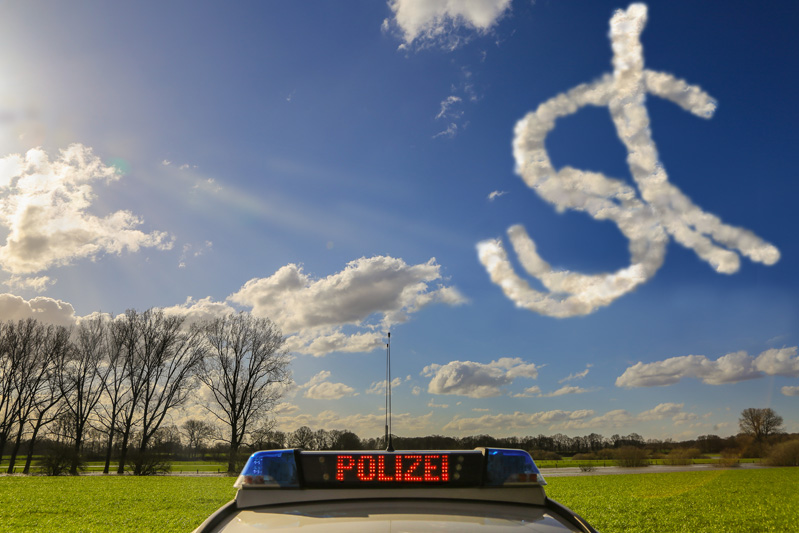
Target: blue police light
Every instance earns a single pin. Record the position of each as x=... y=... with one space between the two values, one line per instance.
x=506 y=467
x=273 y=468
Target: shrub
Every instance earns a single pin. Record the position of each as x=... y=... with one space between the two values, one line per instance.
x=630 y=457
x=584 y=457
x=606 y=453
x=543 y=455
x=729 y=458
x=681 y=456
x=57 y=460
x=149 y=464
x=784 y=454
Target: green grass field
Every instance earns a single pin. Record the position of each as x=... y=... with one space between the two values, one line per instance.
x=714 y=501
x=718 y=500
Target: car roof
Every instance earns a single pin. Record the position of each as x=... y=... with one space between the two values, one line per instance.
x=409 y=515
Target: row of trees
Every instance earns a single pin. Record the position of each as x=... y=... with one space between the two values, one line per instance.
x=121 y=378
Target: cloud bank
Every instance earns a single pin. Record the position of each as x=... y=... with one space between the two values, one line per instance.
x=559 y=420
x=348 y=311
x=662 y=210
x=426 y=23
x=729 y=368
x=477 y=380
x=45 y=205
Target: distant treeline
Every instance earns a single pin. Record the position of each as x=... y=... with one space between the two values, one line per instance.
x=558 y=443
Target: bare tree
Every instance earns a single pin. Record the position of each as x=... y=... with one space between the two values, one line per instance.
x=48 y=406
x=759 y=423
x=8 y=399
x=303 y=437
x=170 y=356
x=38 y=348
x=115 y=398
x=245 y=370
x=197 y=431
x=133 y=376
x=82 y=379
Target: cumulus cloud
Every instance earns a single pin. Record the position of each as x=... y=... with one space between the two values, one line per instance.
x=661 y=212
x=318 y=388
x=729 y=368
x=369 y=296
x=790 y=391
x=438 y=23
x=199 y=310
x=45 y=205
x=47 y=310
x=477 y=380
x=493 y=195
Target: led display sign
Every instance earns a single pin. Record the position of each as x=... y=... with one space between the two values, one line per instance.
x=330 y=469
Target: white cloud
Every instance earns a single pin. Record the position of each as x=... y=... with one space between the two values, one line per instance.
x=477 y=380
x=529 y=392
x=193 y=250
x=661 y=411
x=790 y=391
x=493 y=195
x=45 y=207
x=446 y=106
x=566 y=389
x=779 y=362
x=199 y=310
x=437 y=22
x=284 y=408
x=318 y=388
x=517 y=421
x=558 y=420
x=369 y=295
x=379 y=387
x=432 y=403
x=36 y=284
x=44 y=309
x=619 y=418
x=577 y=375
x=662 y=210
x=364 y=425
x=450 y=132
x=729 y=368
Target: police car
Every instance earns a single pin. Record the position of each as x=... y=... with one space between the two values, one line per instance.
x=476 y=490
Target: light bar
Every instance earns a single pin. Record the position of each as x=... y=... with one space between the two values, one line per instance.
x=484 y=467
x=274 y=468
x=505 y=467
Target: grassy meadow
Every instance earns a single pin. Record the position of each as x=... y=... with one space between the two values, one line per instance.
x=716 y=500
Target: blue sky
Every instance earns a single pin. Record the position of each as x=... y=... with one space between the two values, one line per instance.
x=334 y=165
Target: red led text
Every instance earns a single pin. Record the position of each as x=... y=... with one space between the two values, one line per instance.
x=405 y=468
